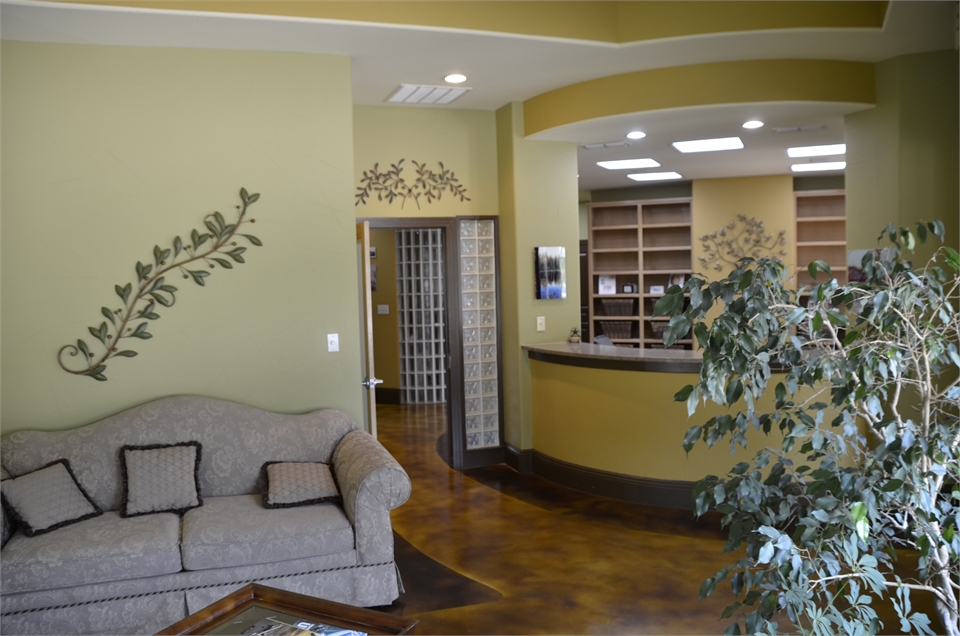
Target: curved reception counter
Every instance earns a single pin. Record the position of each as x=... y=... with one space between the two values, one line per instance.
x=604 y=421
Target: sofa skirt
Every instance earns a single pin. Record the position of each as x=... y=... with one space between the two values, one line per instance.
x=363 y=586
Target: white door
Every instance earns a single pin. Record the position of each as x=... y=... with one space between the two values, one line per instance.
x=370 y=380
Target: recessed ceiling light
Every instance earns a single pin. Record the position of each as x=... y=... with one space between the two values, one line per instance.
x=455 y=78
x=636 y=134
x=818 y=151
x=709 y=145
x=654 y=176
x=753 y=123
x=819 y=166
x=418 y=94
x=627 y=164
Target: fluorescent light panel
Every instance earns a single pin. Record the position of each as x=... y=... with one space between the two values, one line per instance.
x=628 y=164
x=709 y=145
x=831 y=150
x=418 y=94
x=819 y=166
x=655 y=176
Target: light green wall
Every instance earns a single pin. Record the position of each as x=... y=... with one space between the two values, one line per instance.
x=110 y=150
x=902 y=156
x=464 y=140
x=538 y=207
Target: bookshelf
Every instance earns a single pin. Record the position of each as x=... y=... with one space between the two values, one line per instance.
x=635 y=247
x=821 y=218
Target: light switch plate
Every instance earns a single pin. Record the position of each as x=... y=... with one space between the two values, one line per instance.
x=383 y=309
x=333 y=342
x=541 y=323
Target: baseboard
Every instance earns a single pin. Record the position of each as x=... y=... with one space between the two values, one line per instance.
x=662 y=493
x=388 y=396
x=519 y=460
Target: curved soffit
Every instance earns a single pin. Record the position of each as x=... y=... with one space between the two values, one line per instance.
x=736 y=82
x=603 y=22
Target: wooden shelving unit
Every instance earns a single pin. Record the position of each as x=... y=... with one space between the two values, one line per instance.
x=821 y=217
x=640 y=244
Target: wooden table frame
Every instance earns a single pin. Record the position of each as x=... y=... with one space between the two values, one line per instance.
x=310 y=608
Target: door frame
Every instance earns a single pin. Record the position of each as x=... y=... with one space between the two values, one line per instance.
x=452 y=444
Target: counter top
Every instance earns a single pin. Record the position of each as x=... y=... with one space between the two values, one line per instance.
x=618 y=358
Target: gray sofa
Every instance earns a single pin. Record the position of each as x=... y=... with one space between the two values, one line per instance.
x=110 y=574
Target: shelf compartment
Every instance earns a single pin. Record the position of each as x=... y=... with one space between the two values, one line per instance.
x=609 y=262
x=677 y=236
x=666 y=213
x=618 y=306
x=821 y=205
x=833 y=253
x=614 y=216
x=831 y=230
x=678 y=261
x=618 y=329
x=621 y=239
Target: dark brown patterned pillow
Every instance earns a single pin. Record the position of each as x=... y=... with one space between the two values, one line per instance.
x=290 y=484
x=160 y=478
x=46 y=499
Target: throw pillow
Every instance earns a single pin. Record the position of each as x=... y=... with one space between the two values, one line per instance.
x=46 y=499
x=160 y=478
x=289 y=484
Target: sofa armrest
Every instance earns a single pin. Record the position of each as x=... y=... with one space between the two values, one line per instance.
x=6 y=523
x=372 y=484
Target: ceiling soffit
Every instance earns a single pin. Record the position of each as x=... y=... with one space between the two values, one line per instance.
x=601 y=22
x=737 y=82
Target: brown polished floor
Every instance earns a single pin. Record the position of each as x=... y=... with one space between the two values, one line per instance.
x=558 y=561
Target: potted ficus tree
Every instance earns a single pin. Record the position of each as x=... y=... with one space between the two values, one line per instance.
x=868 y=460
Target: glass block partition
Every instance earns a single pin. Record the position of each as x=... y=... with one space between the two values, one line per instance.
x=478 y=298
x=421 y=316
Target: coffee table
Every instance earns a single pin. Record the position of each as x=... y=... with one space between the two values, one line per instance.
x=240 y=610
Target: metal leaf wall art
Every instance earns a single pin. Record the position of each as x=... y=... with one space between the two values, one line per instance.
x=732 y=242
x=140 y=300
x=391 y=185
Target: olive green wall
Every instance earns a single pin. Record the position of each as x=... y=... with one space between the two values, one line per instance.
x=386 y=329
x=464 y=140
x=538 y=207
x=110 y=150
x=902 y=156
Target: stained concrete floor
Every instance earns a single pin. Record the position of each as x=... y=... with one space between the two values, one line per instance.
x=558 y=561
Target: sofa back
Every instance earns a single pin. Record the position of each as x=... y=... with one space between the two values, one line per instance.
x=236 y=441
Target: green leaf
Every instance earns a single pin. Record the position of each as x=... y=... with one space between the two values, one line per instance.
x=219 y=219
x=936 y=226
x=82 y=346
x=243 y=195
x=892 y=485
x=109 y=314
x=126 y=353
x=707 y=587
x=198 y=276
x=683 y=394
x=253 y=198
x=224 y=263
x=213 y=228
x=252 y=239
x=177 y=246
x=734 y=391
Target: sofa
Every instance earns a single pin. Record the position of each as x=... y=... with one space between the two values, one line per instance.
x=135 y=574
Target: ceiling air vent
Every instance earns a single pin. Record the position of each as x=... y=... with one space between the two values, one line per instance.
x=421 y=94
x=608 y=144
x=793 y=129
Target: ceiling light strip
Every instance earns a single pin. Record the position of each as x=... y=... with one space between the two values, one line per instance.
x=709 y=145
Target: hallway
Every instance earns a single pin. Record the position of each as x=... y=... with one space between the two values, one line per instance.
x=562 y=562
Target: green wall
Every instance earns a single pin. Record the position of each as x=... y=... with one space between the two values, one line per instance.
x=464 y=140
x=110 y=150
x=902 y=156
x=538 y=207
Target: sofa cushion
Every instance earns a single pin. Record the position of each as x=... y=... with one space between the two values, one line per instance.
x=238 y=530
x=160 y=478
x=104 y=548
x=47 y=498
x=289 y=484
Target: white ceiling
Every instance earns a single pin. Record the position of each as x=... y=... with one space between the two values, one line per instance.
x=502 y=68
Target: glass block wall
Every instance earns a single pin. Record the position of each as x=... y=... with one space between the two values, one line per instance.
x=478 y=297
x=421 y=316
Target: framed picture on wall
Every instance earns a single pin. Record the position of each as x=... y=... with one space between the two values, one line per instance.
x=550 y=264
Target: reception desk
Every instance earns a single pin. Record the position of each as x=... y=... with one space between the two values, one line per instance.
x=604 y=421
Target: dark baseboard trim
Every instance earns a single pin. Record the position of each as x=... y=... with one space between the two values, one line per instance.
x=662 y=493
x=388 y=396
x=485 y=457
x=519 y=460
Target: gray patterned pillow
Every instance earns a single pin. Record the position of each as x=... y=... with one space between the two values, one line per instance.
x=290 y=484
x=160 y=478
x=47 y=499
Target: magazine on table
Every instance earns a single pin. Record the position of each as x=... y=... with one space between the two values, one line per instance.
x=273 y=627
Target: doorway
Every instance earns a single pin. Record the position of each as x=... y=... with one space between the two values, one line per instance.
x=459 y=362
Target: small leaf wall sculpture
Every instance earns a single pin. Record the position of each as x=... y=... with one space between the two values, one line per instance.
x=732 y=242
x=391 y=185
x=215 y=246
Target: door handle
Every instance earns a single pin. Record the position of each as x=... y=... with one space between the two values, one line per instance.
x=371 y=383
